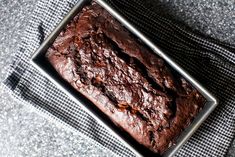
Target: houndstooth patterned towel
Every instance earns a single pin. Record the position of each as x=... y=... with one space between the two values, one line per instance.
x=212 y=63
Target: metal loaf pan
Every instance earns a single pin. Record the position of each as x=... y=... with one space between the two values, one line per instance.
x=39 y=61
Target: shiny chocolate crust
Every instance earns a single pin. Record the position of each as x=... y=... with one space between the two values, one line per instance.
x=124 y=79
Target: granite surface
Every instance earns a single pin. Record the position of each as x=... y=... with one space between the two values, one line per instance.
x=25 y=133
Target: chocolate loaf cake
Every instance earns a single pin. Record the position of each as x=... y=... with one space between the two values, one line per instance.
x=134 y=87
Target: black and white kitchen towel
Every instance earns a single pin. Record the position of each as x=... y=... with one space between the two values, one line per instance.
x=212 y=63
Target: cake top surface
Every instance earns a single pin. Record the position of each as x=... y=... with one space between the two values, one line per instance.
x=128 y=82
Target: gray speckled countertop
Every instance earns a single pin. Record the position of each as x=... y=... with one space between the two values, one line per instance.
x=25 y=133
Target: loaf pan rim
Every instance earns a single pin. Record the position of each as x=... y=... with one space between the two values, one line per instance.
x=212 y=102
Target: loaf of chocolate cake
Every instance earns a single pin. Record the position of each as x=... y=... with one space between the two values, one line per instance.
x=133 y=86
